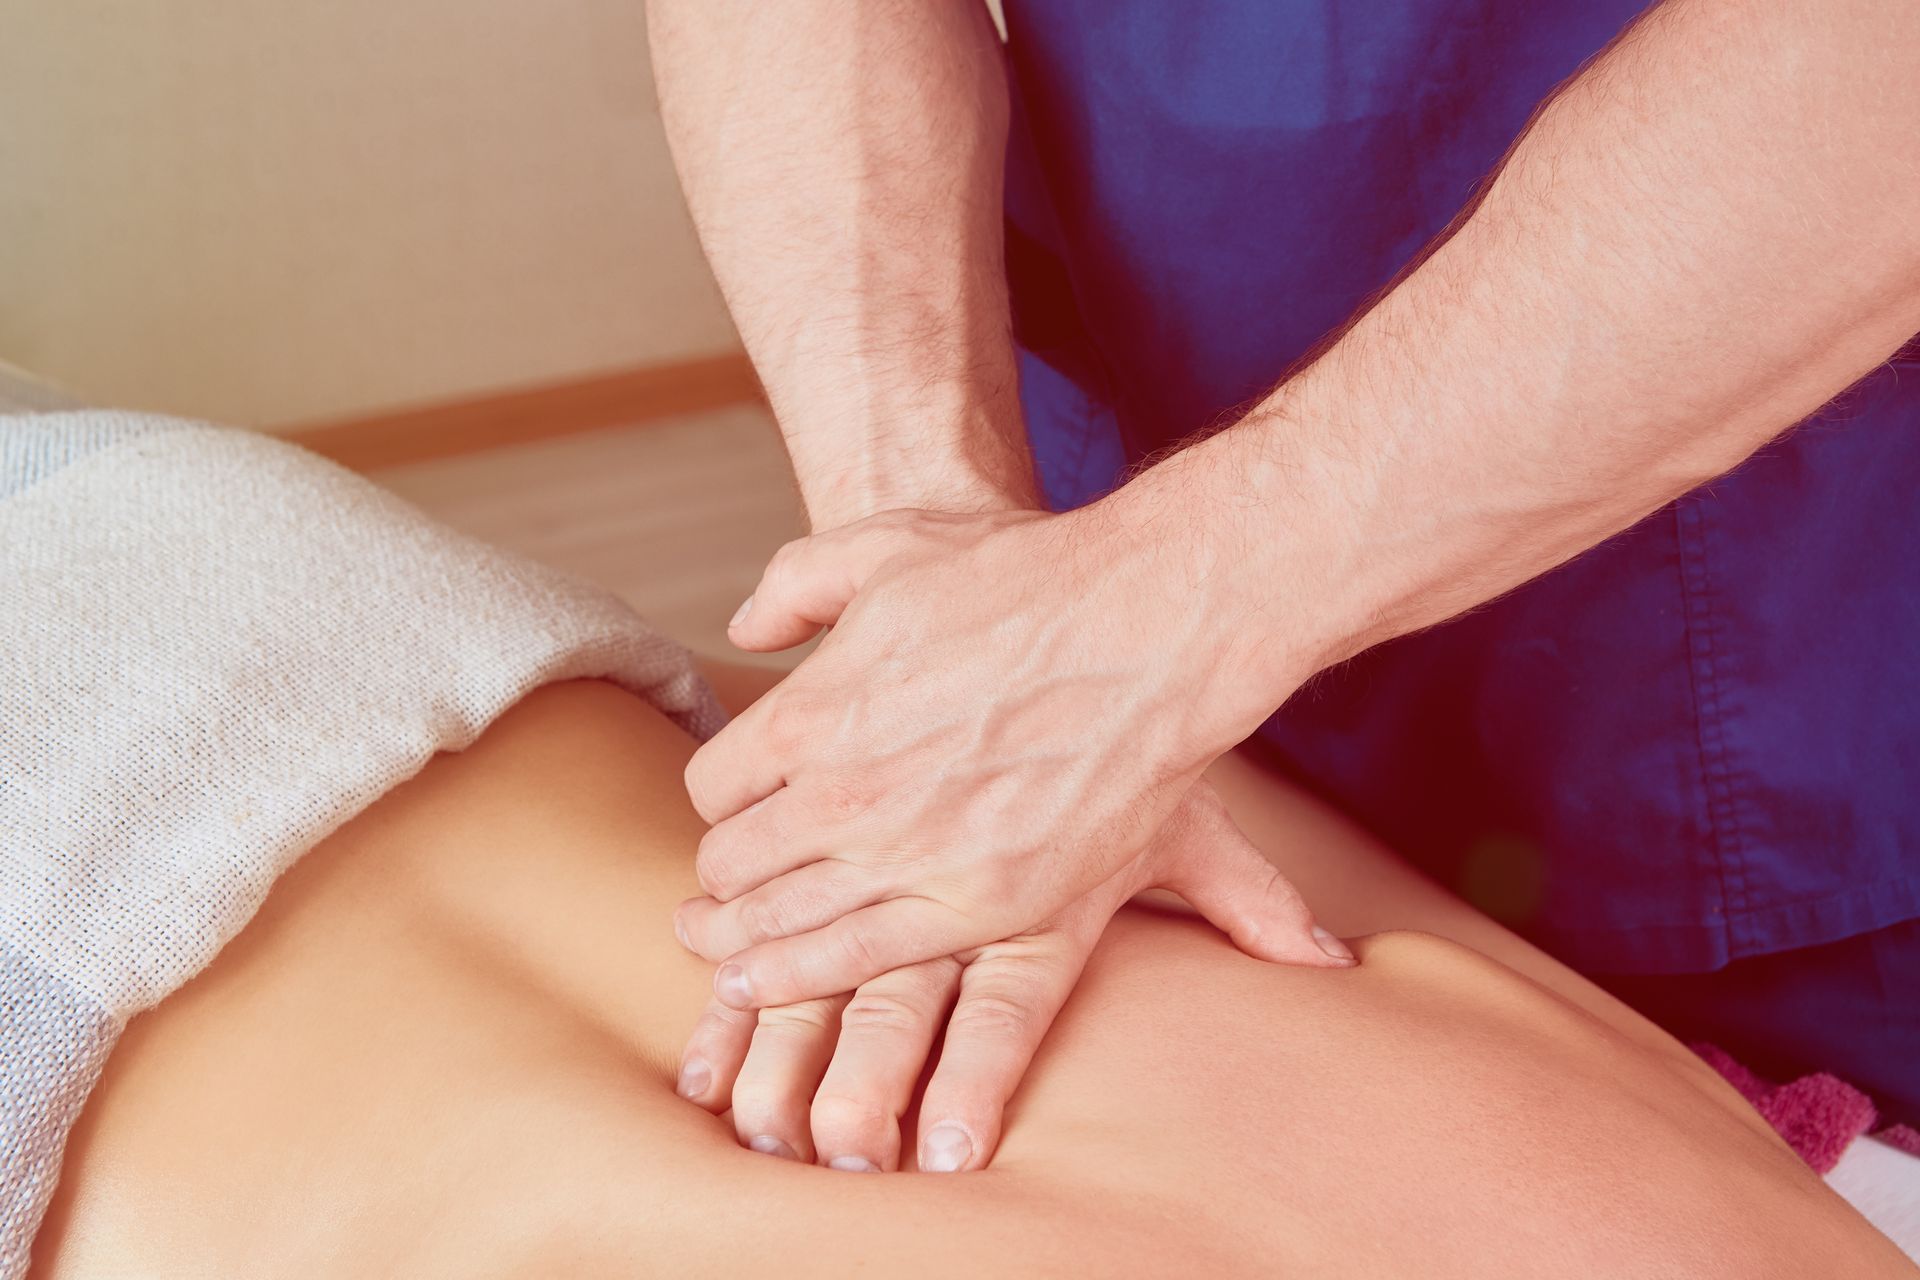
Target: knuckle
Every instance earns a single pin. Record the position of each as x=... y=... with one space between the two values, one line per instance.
x=993 y=1015
x=842 y=798
x=883 y=1013
x=752 y=916
x=763 y=917
x=807 y=1018
x=929 y=984
x=782 y=565
x=1022 y=963
x=785 y=722
x=858 y=951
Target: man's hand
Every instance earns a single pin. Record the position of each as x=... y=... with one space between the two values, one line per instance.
x=1008 y=709
x=828 y=1080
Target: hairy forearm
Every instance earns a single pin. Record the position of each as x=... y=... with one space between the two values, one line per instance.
x=1705 y=236
x=843 y=159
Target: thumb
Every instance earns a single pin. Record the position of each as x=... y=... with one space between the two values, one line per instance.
x=808 y=583
x=1203 y=856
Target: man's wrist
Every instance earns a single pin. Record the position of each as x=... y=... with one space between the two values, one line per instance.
x=849 y=496
x=965 y=462
x=1258 y=553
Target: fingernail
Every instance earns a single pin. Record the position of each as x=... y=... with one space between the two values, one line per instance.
x=1332 y=945
x=680 y=931
x=740 y=614
x=853 y=1164
x=731 y=985
x=945 y=1149
x=768 y=1145
x=695 y=1076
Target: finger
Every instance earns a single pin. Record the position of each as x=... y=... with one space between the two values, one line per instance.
x=1009 y=996
x=711 y=1061
x=756 y=845
x=744 y=763
x=886 y=1034
x=772 y=1094
x=801 y=901
x=853 y=950
x=809 y=583
x=1206 y=859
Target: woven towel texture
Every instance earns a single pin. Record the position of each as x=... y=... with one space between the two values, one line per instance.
x=214 y=650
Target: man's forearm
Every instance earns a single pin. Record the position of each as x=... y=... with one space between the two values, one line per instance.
x=843 y=163
x=1708 y=234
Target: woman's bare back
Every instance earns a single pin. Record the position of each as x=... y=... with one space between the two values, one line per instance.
x=447 y=1047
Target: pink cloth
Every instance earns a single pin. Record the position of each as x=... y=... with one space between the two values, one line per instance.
x=1818 y=1115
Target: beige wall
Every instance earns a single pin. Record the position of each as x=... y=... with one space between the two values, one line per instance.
x=275 y=212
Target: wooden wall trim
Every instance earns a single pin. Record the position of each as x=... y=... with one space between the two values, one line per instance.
x=527 y=414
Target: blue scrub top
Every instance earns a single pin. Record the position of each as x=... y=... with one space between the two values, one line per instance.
x=1700 y=740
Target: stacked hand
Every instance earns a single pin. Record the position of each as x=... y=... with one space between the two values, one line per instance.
x=997 y=745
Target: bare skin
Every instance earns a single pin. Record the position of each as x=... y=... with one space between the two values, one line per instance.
x=448 y=1046
x=1704 y=236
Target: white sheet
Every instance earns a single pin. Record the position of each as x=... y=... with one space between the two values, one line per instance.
x=1883 y=1183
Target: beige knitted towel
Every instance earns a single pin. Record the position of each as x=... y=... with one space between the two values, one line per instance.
x=214 y=649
